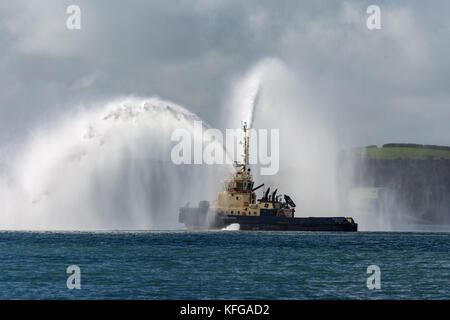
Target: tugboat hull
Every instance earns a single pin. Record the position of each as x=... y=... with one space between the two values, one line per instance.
x=201 y=219
x=290 y=224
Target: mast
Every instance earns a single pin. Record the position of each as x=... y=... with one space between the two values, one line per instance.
x=244 y=165
x=246 y=143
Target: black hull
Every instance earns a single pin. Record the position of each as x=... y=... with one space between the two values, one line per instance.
x=194 y=218
x=289 y=224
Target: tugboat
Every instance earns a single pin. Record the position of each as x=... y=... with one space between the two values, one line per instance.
x=237 y=204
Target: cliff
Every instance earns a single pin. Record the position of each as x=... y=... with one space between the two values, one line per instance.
x=415 y=177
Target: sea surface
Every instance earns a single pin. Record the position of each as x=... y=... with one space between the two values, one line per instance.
x=224 y=265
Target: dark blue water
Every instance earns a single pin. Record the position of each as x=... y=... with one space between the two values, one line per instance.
x=224 y=265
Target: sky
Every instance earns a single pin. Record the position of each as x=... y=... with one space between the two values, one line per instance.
x=375 y=86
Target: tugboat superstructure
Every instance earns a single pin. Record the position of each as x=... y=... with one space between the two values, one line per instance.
x=238 y=197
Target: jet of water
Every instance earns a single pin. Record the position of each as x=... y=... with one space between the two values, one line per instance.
x=271 y=97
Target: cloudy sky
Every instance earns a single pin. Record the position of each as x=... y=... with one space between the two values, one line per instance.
x=378 y=86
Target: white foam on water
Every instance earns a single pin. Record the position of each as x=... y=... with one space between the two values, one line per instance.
x=232 y=227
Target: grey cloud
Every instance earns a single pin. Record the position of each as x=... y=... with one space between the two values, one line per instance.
x=377 y=86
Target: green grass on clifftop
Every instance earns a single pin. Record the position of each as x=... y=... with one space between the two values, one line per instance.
x=393 y=153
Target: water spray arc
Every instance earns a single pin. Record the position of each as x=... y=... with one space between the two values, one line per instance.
x=104 y=168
